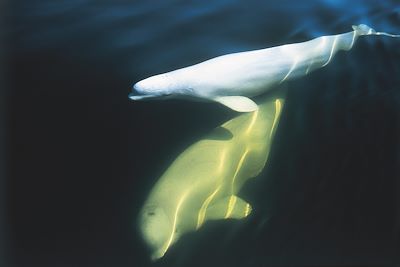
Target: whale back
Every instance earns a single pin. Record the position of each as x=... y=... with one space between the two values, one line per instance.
x=231 y=79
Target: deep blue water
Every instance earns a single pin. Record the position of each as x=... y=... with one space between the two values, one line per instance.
x=81 y=157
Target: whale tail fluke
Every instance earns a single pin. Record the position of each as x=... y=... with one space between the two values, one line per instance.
x=363 y=29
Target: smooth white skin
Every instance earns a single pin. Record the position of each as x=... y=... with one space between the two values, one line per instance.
x=210 y=171
x=250 y=73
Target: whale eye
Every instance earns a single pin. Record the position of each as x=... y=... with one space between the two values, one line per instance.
x=151 y=210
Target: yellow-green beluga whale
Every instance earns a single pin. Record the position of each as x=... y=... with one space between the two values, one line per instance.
x=203 y=182
x=233 y=78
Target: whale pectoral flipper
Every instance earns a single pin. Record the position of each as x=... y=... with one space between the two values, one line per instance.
x=237 y=103
x=231 y=207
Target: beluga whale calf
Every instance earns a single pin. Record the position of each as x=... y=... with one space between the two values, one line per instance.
x=233 y=78
x=203 y=183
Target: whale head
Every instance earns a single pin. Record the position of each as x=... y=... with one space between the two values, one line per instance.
x=157 y=230
x=158 y=86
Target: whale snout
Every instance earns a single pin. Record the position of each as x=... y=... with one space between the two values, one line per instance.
x=152 y=87
x=139 y=87
x=157 y=229
x=135 y=94
x=141 y=90
x=149 y=85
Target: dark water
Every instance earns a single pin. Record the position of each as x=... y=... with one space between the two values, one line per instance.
x=81 y=158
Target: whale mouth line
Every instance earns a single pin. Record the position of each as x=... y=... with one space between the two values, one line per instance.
x=134 y=96
x=137 y=96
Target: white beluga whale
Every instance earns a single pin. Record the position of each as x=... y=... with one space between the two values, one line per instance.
x=203 y=182
x=233 y=78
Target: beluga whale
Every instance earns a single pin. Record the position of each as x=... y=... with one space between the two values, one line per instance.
x=233 y=79
x=204 y=181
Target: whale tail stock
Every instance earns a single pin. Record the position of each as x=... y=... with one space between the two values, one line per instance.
x=363 y=29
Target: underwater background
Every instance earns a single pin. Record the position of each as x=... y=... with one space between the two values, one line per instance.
x=81 y=158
